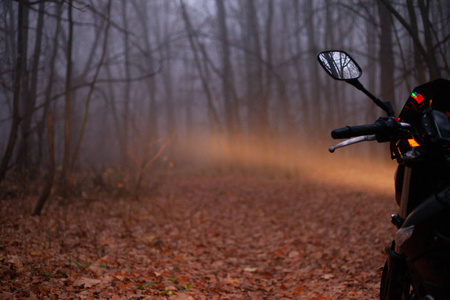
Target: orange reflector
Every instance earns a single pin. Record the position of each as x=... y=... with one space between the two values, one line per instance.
x=413 y=143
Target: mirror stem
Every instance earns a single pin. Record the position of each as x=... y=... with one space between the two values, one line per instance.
x=384 y=105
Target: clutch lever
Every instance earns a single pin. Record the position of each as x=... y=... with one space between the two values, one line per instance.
x=352 y=141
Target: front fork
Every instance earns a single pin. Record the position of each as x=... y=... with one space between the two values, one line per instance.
x=395 y=282
x=403 y=210
x=395 y=272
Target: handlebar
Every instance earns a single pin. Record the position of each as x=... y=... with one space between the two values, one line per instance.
x=386 y=129
x=359 y=130
x=383 y=130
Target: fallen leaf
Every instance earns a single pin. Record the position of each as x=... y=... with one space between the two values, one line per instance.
x=293 y=254
x=250 y=270
x=297 y=291
x=36 y=253
x=233 y=281
x=98 y=271
x=15 y=260
x=327 y=276
x=86 y=282
x=181 y=297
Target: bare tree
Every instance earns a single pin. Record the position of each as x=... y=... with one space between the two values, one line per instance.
x=152 y=125
x=165 y=55
x=27 y=99
x=428 y=51
x=316 y=112
x=51 y=174
x=386 y=54
x=126 y=90
x=418 y=63
x=50 y=76
x=20 y=62
x=202 y=70
x=232 y=119
x=92 y=85
x=68 y=101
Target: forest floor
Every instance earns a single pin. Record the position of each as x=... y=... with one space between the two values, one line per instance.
x=202 y=236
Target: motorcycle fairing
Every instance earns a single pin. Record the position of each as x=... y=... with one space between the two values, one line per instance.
x=435 y=94
x=427 y=249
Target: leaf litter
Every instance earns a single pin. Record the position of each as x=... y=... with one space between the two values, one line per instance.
x=202 y=237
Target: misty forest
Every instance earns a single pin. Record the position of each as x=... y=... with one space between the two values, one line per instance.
x=177 y=149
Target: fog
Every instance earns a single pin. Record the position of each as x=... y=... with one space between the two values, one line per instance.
x=137 y=85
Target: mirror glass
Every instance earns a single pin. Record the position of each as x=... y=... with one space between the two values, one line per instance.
x=339 y=65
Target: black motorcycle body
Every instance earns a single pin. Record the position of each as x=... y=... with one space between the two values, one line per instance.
x=418 y=264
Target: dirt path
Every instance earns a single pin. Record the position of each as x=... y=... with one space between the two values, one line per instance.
x=202 y=237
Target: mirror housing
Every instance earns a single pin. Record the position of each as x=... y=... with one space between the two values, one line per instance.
x=339 y=65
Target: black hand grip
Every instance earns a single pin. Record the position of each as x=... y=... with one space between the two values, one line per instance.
x=352 y=131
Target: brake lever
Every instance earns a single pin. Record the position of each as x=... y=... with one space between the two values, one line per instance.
x=352 y=141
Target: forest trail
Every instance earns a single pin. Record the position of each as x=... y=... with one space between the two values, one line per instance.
x=203 y=236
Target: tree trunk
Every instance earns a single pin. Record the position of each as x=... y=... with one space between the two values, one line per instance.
x=166 y=51
x=267 y=84
x=202 y=69
x=152 y=124
x=26 y=104
x=20 y=59
x=232 y=121
x=50 y=79
x=34 y=74
x=427 y=26
x=305 y=100
x=418 y=63
x=429 y=58
x=126 y=95
x=92 y=86
x=253 y=56
x=51 y=169
x=315 y=96
x=386 y=55
x=65 y=174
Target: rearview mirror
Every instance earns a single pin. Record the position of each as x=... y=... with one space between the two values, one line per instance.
x=339 y=65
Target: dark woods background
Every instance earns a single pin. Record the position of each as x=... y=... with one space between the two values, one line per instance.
x=120 y=89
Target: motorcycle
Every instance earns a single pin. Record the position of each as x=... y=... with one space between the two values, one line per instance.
x=418 y=259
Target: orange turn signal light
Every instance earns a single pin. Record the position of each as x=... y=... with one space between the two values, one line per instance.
x=413 y=143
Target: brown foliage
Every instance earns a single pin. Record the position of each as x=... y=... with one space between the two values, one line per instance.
x=202 y=237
